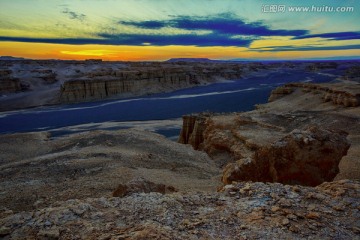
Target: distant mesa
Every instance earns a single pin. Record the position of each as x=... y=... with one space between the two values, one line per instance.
x=8 y=58
x=190 y=60
x=93 y=60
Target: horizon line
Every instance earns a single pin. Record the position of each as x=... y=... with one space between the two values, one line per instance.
x=340 y=58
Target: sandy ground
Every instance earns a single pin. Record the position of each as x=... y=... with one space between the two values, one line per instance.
x=37 y=170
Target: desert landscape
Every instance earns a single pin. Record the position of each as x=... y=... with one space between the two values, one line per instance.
x=189 y=120
x=287 y=169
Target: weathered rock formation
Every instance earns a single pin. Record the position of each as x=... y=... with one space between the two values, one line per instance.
x=266 y=144
x=241 y=211
x=141 y=185
x=348 y=96
x=192 y=130
x=105 y=83
x=309 y=157
x=47 y=75
x=86 y=90
x=8 y=84
x=280 y=92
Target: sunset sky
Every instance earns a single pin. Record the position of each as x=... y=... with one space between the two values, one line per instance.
x=161 y=29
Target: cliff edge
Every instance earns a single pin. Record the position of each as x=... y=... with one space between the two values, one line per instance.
x=307 y=134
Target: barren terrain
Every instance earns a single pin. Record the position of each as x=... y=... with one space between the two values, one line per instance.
x=37 y=170
x=134 y=184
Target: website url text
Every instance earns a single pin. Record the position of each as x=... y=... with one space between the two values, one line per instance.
x=313 y=8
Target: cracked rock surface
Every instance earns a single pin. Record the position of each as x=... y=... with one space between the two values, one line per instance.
x=243 y=210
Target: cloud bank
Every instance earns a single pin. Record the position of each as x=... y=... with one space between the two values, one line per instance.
x=218 y=30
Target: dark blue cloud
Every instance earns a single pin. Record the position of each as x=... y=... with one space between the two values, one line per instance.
x=222 y=24
x=145 y=24
x=222 y=31
x=333 y=36
x=137 y=39
x=305 y=48
x=183 y=39
x=78 y=41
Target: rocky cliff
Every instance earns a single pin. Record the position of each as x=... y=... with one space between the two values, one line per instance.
x=86 y=90
x=192 y=130
x=298 y=138
x=106 y=83
x=309 y=157
x=339 y=94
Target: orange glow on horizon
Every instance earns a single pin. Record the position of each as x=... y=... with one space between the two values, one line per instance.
x=153 y=53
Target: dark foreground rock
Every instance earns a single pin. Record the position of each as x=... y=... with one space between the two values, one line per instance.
x=241 y=211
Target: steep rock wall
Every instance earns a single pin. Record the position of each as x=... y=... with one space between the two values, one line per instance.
x=192 y=130
x=107 y=83
x=306 y=157
x=255 y=151
x=85 y=90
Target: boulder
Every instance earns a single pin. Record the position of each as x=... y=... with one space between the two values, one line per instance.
x=280 y=92
x=141 y=185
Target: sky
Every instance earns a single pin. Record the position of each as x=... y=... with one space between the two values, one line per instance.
x=156 y=30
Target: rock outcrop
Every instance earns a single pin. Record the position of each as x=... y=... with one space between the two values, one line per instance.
x=104 y=83
x=348 y=96
x=280 y=92
x=86 y=90
x=241 y=211
x=8 y=84
x=309 y=157
x=192 y=130
x=141 y=185
x=265 y=144
x=47 y=75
